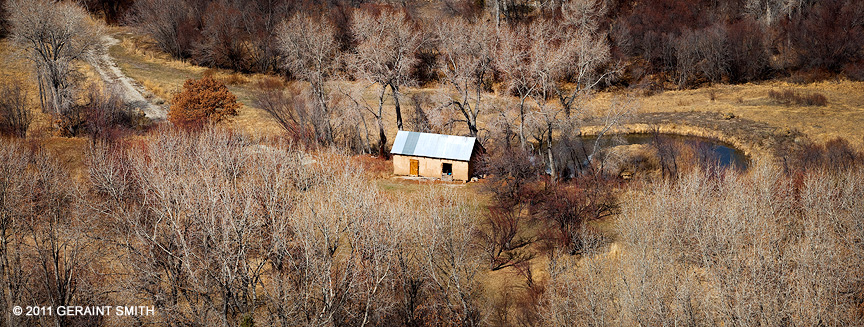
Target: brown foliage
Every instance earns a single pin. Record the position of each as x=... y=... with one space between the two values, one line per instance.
x=789 y=97
x=569 y=206
x=201 y=102
x=834 y=155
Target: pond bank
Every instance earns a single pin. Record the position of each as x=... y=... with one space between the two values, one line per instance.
x=756 y=140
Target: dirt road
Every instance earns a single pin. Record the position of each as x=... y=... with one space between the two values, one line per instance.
x=131 y=91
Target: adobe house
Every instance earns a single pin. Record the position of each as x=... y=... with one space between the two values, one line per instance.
x=448 y=157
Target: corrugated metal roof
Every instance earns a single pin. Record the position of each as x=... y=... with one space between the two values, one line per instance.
x=433 y=145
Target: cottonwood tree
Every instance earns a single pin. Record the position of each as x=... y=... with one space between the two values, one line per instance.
x=701 y=52
x=63 y=249
x=224 y=41
x=355 y=109
x=515 y=59
x=451 y=259
x=260 y=24
x=310 y=47
x=54 y=35
x=546 y=74
x=736 y=252
x=467 y=54
x=166 y=21
x=385 y=53
x=581 y=290
x=191 y=239
x=573 y=49
x=584 y=53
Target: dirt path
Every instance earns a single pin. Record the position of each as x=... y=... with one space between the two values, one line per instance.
x=132 y=92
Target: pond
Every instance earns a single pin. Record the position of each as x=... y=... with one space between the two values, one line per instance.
x=725 y=155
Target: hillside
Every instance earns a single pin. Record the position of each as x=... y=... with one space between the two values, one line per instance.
x=227 y=163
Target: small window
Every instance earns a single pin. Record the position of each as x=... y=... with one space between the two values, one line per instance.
x=447 y=169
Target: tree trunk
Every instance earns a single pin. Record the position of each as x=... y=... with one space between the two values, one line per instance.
x=522 y=139
x=318 y=89
x=382 y=137
x=395 y=90
x=550 y=156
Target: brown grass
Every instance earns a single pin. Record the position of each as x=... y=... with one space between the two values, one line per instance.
x=163 y=76
x=843 y=115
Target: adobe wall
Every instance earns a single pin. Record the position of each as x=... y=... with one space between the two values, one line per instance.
x=430 y=167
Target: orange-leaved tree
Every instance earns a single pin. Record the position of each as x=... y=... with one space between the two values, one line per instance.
x=202 y=101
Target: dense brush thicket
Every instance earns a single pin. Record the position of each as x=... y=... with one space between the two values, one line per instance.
x=661 y=43
x=760 y=248
x=215 y=230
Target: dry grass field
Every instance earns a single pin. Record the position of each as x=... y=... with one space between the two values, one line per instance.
x=842 y=117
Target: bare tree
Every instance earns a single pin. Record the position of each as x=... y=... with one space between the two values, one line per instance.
x=46 y=236
x=584 y=54
x=217 y=230
x=515 y=59
x=166 y=21
x=310 y=48
x=740 y=248
x=701 y=53
x=260 y=24
x=224 y=41
x=54 y=36
x=576 y=50
x=385 y=51
x=13 y=284
x=468 y=50
x=450 y=258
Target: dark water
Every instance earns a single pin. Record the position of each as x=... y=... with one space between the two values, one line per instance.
x=725 y=155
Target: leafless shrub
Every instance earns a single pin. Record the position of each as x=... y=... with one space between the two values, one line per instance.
x=790 y=97
x=701 y=54
x=218 y=230
x=224 y=42
x=106 y=116
x=834 y=155
x=750 y=248
x=504 y=245
x=46 y=236
x=581 y=291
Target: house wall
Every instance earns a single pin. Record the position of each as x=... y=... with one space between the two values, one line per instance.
x=430 y=167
